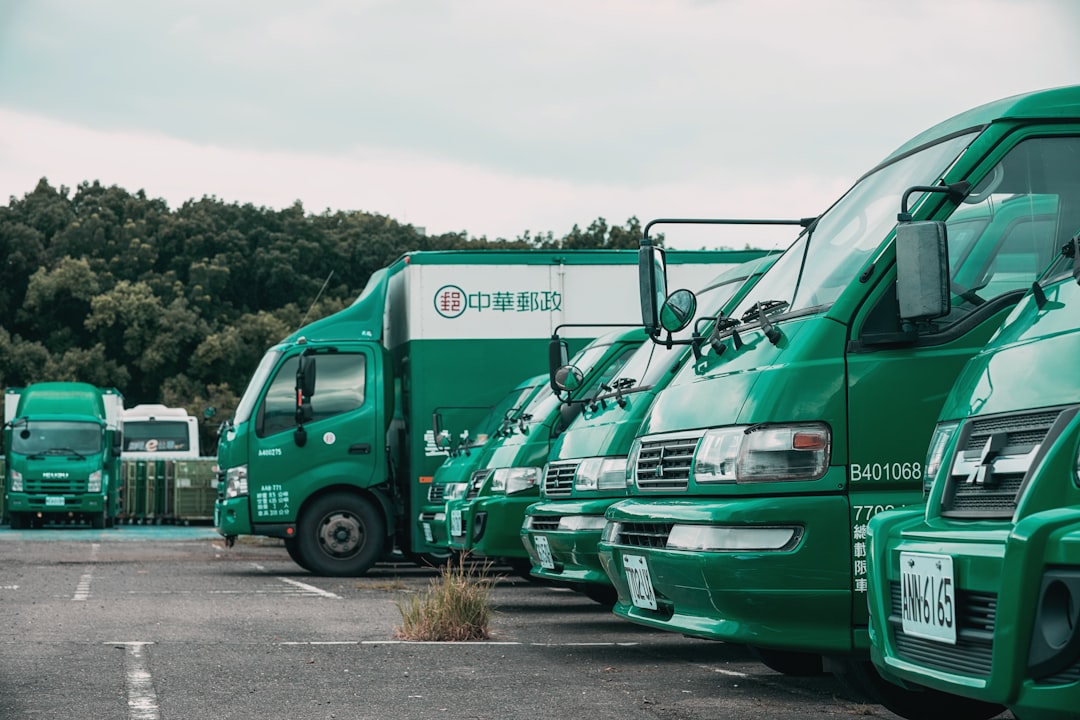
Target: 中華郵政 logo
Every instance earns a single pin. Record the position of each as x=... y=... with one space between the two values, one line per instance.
x=450 y=301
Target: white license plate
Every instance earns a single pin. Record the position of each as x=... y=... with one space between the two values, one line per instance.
x=640 y=582
x=455 y=523
x=429 y=536
x=54 y=501
x=543 y=552
x=928 y=596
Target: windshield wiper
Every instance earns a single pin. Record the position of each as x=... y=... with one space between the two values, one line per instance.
x=65 y=451
x=761 y=310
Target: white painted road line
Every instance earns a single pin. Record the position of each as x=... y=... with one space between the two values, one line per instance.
x=82 y=590
x=310 y=588
x=142 y=700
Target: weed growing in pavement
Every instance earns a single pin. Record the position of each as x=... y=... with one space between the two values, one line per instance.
x=455 y=607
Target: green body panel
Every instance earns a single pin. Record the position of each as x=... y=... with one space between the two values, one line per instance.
x=848 y=364
x=491 y=521
x=1030 y=365
x=55 y=476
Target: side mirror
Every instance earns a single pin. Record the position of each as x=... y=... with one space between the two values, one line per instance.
x=568 y=378
x=922 y=270
x=558 y=356
x=652 y=284
x=305 y=388
x=118 y=442
x=678 y=310
x=210 y=412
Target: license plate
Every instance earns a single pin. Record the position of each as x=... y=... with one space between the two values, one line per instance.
x=640 y=582
x=928 y=596
x=429 y=536
x=455 y=523
x=543 y=552
x=54 y=501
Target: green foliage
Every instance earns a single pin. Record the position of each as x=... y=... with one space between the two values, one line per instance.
x=178 y=306
x=455 y=607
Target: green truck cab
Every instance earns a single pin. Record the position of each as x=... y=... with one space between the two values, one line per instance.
x=586 y=470
x=331 y=446
x=757 y=470
x=979 y=595
x=468 y=452
x=62 y=444
x=487 y=520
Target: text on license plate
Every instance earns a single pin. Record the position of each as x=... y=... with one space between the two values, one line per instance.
x=640 y=582
x=54 y=500
x=543 y=552
x=928 y=596
x=455 y=523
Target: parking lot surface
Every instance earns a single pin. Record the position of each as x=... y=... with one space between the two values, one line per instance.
x=166 y=622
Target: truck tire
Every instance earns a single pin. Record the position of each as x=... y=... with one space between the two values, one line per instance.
x=863 y=679
x=789 y=662
x=292 y=546
x=18 y=521
x=340 y=535
x=98 y=520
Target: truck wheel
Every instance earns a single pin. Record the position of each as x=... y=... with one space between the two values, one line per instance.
x=17 y=521
x=913 y=702
x=97 y=520
x=434 y=560
x=789 y=662
x=340 y=535
x=292 y=546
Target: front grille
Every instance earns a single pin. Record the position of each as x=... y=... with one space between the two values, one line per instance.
x=476 y=483
x=972 y=654
x=643 y=534
x=987 y=484
x=559 y=479
x=545 y=523
x=663 y=462
x=53 y=486
x=436 y=492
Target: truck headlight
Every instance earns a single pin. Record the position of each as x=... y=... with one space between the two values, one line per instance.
x=455 y=491
x=236 y=481
x=93 y=483
x=514 y=479
x=582 y=523
x=15 y=484
x=936 y=453
x=601 y=473
x=765 y=453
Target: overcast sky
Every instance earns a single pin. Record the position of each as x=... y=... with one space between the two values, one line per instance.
x=494 y=117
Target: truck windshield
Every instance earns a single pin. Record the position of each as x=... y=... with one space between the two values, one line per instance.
x=651 y=360
x=57 y=437
x=247 y=402
x=508 y=407
x=820 y=264
x=160 y=436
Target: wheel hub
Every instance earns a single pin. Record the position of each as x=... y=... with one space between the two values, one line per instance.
x=341 y=535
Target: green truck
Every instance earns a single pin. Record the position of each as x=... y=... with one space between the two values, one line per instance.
x=487 y=520
x=979 y=595
x=332 y=448
x=62 y=444
x=586 y=469
x=757 y=470
x=469 y=452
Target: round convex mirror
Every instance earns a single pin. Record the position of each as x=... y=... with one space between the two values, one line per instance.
x=568 y=378
x=678 y=310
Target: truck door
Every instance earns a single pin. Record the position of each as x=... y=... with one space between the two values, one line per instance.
x=1022 y=210
x=342 y=442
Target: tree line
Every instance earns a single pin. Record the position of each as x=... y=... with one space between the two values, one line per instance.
x=177 y=306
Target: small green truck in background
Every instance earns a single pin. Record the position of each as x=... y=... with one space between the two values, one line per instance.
x=62 y=445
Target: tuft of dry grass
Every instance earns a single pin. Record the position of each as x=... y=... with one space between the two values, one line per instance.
x=455 y=607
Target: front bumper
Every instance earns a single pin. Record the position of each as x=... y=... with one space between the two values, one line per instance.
x=79 y=503
x=232 y=516
x=998 y=574
x=793 y=599
x=573 y=552
x=490 y=524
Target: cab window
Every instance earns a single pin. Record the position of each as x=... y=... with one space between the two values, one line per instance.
x=339 y=388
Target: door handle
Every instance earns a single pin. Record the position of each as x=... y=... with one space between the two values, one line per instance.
x=360 y=449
